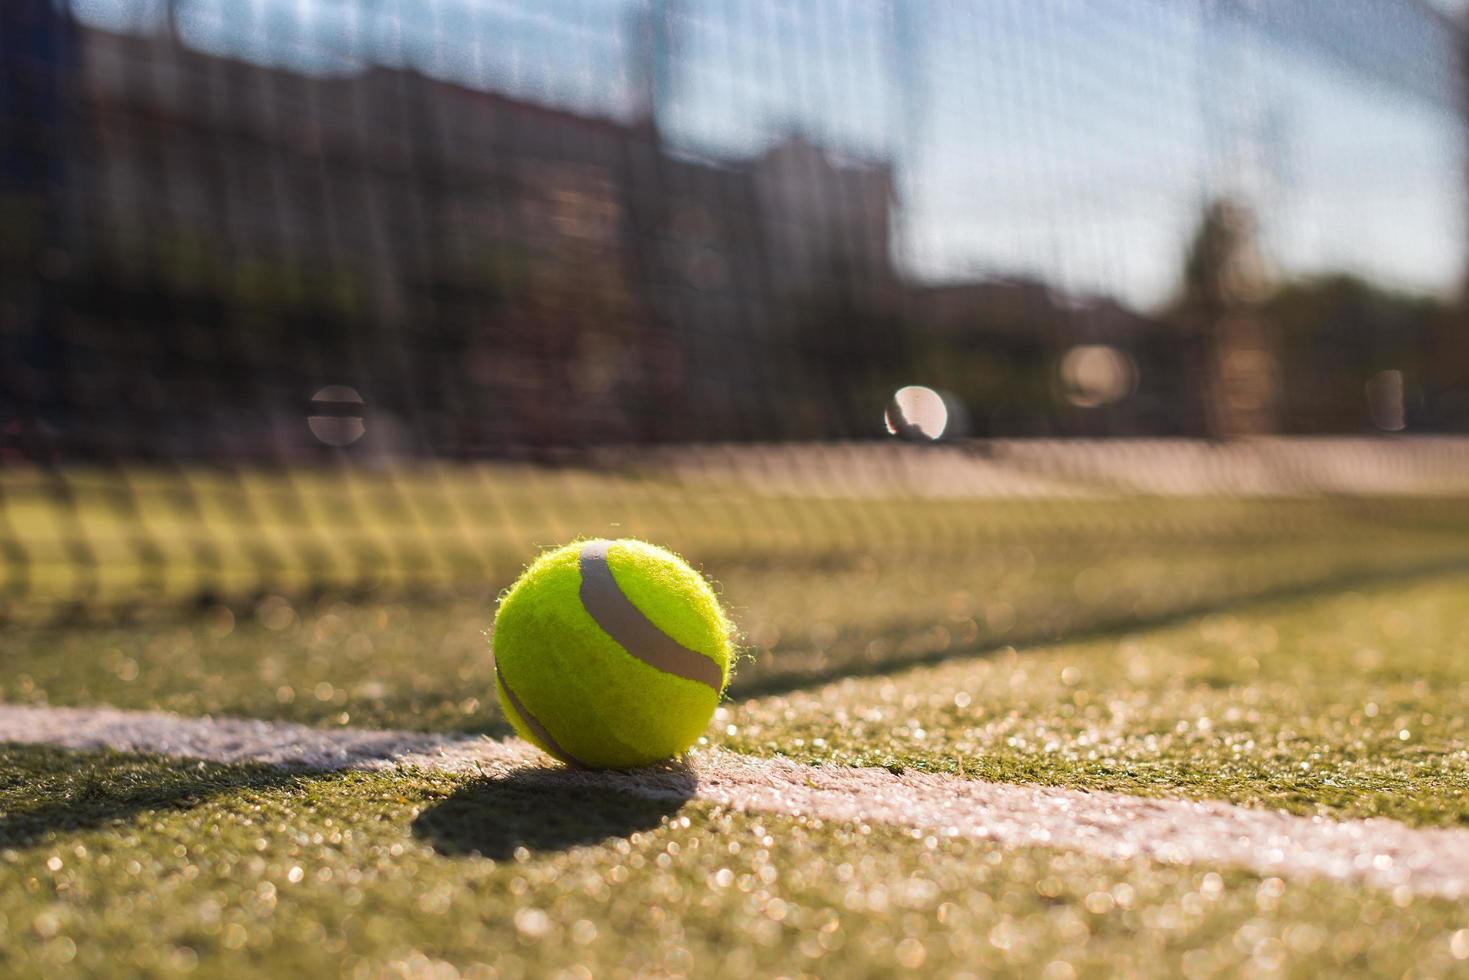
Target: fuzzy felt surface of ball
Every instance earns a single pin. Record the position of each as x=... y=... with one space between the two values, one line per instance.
x=611 y=654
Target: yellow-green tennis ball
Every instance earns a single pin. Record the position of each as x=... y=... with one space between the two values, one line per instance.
x=611 y=654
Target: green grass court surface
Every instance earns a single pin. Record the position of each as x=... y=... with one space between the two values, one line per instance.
x=1308 y=654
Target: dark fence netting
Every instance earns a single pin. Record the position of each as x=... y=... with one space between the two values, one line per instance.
x=334 y=295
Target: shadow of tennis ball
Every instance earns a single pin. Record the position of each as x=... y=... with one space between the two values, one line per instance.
x=552 y=809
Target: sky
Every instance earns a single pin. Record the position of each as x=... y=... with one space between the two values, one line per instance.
x=1074 y=140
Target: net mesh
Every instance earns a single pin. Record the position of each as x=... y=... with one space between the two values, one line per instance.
x=356 y=297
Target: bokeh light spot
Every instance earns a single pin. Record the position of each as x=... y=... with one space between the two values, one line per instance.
x=336 y=415
x=1093 y=375
x=916 y=412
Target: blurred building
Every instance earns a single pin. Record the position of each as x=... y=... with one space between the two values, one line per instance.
x=204 y=243
x=487 y=270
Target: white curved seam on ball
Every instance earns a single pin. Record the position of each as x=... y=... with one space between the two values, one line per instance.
x=620 y=619
x=534 y=723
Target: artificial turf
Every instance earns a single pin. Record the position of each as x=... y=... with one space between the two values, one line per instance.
x=114 y=864
x=1302 y=654
x=1350 y=704
x=1341 y=701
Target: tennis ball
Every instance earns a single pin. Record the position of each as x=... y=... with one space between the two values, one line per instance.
x=611 y=654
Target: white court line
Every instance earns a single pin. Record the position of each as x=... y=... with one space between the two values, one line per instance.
x=1382 y=853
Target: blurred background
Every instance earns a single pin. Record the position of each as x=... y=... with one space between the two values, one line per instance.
x=334 y=296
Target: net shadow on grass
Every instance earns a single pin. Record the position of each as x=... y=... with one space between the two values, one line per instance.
x=45 y=792
x=552 y=810
x=775 y=682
